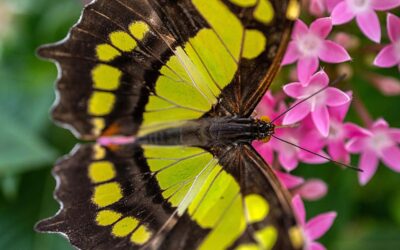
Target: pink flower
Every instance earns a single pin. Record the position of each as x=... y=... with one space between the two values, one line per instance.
x=381 y=143
x=318 y=105
x=389 y=86
x=312 y=189
x=315 y=228
x=289 y=156
x=364 y=12
x=339 y=132
x=390 y=54
x=309 y=45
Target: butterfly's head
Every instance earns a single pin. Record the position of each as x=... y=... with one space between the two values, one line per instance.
x=265 y=129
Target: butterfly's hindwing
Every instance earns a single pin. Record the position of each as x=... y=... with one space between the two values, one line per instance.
x=171 y=197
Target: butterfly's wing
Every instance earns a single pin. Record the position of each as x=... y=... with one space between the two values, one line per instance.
x=171 y=197
x=151 y=64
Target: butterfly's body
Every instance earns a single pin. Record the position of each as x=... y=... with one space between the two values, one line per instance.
x=211 y=132
x=183 y=78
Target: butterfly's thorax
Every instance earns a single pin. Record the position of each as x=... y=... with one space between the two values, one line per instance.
x=211 y=132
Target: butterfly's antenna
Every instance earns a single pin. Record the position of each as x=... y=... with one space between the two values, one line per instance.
x=294 y=125
x=324 y=157
x=340 y=78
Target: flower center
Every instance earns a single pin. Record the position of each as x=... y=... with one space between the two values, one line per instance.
x=309 y=45
x=379 y=141
x=316 y=100
x=359 y=6
x=335 y=130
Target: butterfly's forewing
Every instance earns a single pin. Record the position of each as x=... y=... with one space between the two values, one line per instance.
x=171 y=197
x=155 y=63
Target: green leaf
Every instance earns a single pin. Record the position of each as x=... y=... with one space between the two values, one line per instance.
x=21 y=149
x=17 y=218
x=9 y=185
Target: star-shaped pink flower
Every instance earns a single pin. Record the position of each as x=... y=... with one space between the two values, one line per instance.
x=339 y=132
x=364 y=12
x=315 y=228
x=309 y=45
x=288 y=155
x=382 y=142
x=390 y=54
x=318 y=105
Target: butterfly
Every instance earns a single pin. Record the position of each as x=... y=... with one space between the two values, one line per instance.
x=164 y=90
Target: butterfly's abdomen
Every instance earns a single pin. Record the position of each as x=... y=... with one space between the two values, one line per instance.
x=210 y=132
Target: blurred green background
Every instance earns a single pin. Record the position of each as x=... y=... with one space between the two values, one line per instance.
x=369 y=217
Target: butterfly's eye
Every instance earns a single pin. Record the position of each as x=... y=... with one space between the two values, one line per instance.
x=265 y=129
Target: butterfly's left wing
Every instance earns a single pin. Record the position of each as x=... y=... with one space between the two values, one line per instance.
x=171 y=197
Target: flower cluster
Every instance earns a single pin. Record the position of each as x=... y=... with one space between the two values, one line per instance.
x=312 y=129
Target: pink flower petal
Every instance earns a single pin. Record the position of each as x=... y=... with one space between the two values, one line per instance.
x=312 y=158
x=369 y=164
x=315 y=142
x=319 y=79
x=369 y=25
x=385 y=4
x=313 y=189
x=386 y=57
x=320 y=118
x=319 y=225
x=338 y=152
x=288 y=180
x=317 y=7
x=391 y=157
x=355 y=145
x=332 y=52
x=322 y=27
x=316 y=246
x=299 y=209
x=331 y=4
x=341 y=14
x=340 y=112
x=393 y=26
x=289 y=161
x=294 y=90
x=300 y=28
x=291 y=55
x=306 y=67
x=395 y=134
x=297 y=114
x=353 y=130
x=265 y=150
x=336 y=97
x=380 y=124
